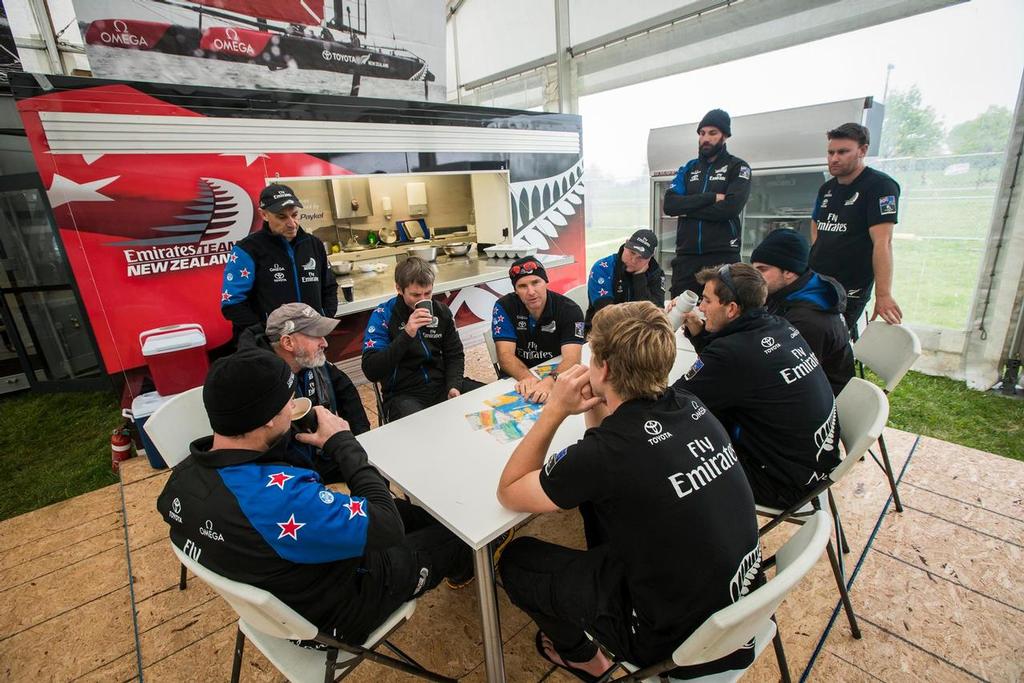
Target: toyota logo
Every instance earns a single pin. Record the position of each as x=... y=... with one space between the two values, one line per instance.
x=767 y=342
x=176 y=506
x=120 y=26
x=652 y=427
x=232 y=34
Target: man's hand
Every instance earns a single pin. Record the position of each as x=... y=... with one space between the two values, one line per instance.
x=887 y=307
x=693 y=322
x=536 y=390
x=327 y=425
x=719 y=197
x=453 y=392
x=418 y=319
x=572 y=393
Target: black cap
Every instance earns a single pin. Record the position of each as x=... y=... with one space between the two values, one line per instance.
x=246 y=390
x=275 y=197
x=783 y=248
x=719 y=119
x=528 y=265
x=643 y=242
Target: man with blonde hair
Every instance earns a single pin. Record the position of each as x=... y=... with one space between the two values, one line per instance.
x=674 y=509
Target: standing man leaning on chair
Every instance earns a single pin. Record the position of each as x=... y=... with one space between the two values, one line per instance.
x=708 y=194
x=852 y=224
x=758 y=376
x=416 y=355
x=243 y=507
x=631 y=274
x=532 y=325
x=278 y=264
x=676 y=512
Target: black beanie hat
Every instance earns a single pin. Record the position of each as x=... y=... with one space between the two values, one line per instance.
x=245 y=390
x=528 y=265
x=719 y=119
x=783 y=248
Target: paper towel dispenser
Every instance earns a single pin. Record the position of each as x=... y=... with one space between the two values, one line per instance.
x=416 y=193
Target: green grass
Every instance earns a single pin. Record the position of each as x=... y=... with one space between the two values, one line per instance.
x=54 y=447
x=946 y=409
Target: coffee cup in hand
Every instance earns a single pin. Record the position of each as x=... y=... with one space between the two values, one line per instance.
x=428 y=306
x=303 y=415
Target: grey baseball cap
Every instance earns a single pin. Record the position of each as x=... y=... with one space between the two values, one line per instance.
x=291 y=318
x=643 y=242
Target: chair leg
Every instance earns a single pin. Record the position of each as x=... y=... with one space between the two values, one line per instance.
x=236 y=665
x=780 y=654
x=183 y=581
x=332 y=663
x=888 y=473
x=840 y=532
x=842 y=590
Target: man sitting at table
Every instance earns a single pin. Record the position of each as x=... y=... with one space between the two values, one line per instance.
x=630 y=274
x=676 y=511
x=759 y=377
x=415 y=353
x=533 y=325
x=344 y=562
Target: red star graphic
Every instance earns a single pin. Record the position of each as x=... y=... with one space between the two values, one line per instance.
x=233 y=258
x=290 y=528
x=224 y=296
x=355 y=507
x=604 y=264
x=602 y=292
x=370 y=343
x=500 y=318
x=245 y=273
x=278 y=480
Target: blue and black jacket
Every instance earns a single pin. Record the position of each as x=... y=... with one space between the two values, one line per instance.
x=431 y=363
x=265 y=520
x=265 y=270
x=609 y=283
x=814 y=304
x=706 y=226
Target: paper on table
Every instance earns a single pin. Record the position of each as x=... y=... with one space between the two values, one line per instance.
x=509 y=418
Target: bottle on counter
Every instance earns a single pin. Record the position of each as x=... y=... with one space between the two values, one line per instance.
x=372 y=238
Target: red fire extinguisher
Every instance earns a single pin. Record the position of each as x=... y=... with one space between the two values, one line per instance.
x=120 y=446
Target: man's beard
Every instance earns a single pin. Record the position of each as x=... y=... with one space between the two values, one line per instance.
x=317 y=360
x=711 y=152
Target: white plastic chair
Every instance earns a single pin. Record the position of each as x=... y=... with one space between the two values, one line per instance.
x=579 y=295
x=863 y=411
x=752 y=616
x=492 y=351
x=889 y=351
x=271 y=626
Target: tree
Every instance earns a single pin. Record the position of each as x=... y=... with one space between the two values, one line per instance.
x=911 y=128
x=987 y=132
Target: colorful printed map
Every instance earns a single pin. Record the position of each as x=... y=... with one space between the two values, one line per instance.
x=508 y=418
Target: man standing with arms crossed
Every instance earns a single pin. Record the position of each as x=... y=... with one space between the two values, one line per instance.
x=852 y=224
x=708 y=194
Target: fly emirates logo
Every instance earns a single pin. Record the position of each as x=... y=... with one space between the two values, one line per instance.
x=712 y=465
x=808 y=361
x=831 y=224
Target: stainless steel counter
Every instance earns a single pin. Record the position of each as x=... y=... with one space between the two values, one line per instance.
x=453 y=272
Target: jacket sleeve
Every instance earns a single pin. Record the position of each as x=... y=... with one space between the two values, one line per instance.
x=381 y=355
x=237 y=283
x=350 y=406
x=736 y=194
x=599 y=284
x=708 y=377
x=329 y=284
x=454 y=357
x=655 y=288
x=685 y=204
x=364 y=481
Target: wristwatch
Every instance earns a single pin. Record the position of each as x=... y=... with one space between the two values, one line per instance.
x=554 y=375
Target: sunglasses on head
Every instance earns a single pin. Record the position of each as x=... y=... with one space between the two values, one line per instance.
x=726 y=277
x=526 y=268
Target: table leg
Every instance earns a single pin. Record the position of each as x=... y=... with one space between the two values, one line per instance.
x=494 y=660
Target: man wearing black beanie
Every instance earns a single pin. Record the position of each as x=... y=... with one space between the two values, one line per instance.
x=708 y=195
x=243 y=506
x=811 y=302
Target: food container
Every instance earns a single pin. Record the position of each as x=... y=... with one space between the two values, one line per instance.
x=509 y=251
x=341 y=267
x=425 y=253
x=457 y=248
x=176 y=356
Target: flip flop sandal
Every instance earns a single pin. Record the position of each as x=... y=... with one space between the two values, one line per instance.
x=538 y=642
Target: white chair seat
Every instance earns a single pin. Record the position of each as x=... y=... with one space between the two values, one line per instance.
x=761 y=641
x=305 y=664
x=806 y=511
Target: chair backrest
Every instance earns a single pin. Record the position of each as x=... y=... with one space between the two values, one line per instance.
x=579 y=295
x=492 y=350
x=177 y=423
x=863 y=411
x=257 y=607
x=732 y=627
x=889 y=350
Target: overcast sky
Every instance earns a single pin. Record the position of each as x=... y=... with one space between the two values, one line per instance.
x=963 y=58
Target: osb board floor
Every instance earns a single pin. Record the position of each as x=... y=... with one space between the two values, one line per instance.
x=934 y=588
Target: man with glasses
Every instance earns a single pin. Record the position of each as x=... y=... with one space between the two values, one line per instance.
x=533 y=325
x=761 y=380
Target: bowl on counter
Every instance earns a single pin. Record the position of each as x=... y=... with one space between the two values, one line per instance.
x=425 y=253
x=457 y=248
x=341 y=267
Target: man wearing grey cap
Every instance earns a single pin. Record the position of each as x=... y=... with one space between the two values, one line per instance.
x=630 y=274
x=278 y=264
x=297 y=334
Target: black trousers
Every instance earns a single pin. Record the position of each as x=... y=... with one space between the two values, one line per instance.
x=401 y=405
x=767 y=491
x=686 y=266
x=855 y=306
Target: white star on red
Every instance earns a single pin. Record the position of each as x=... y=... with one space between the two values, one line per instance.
x=224 y=296
x=355 y=507
x=233 y=258
x=290 y=528
x=602 y=292
x=244 y=273
x=369 y=343
x=278 y=480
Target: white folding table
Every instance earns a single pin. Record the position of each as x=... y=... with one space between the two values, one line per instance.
x=452 y=471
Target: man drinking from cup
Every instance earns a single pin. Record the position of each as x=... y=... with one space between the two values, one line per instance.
x=412 y=346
